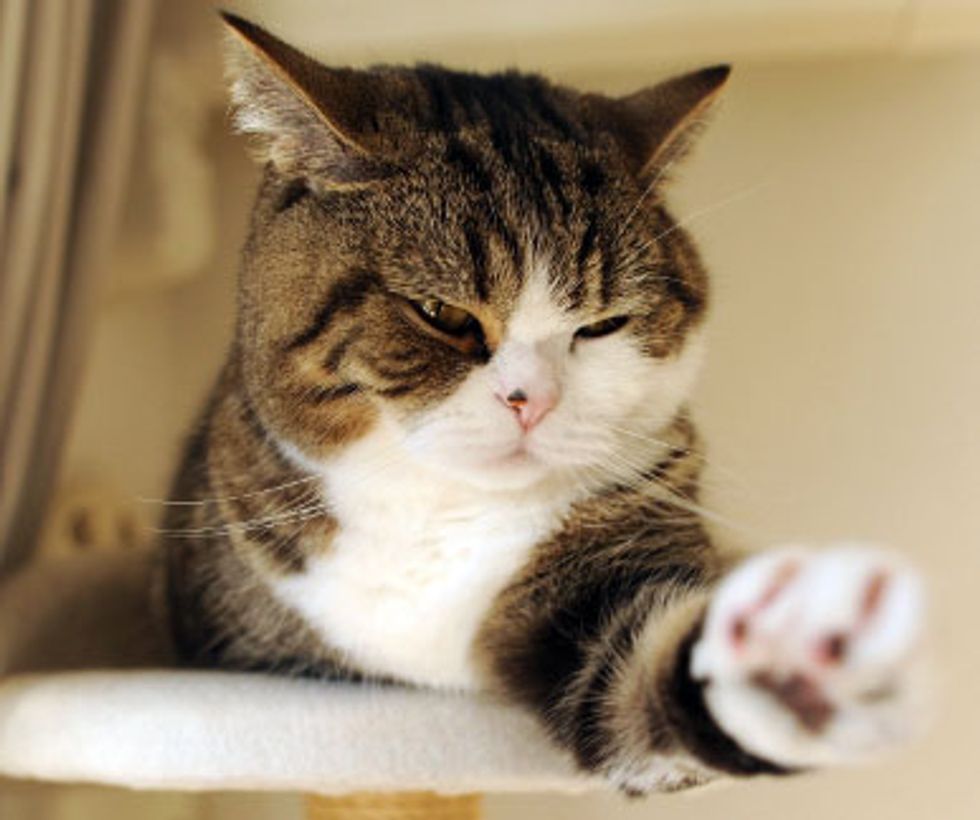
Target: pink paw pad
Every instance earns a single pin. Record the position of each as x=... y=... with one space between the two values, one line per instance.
x=826 y=639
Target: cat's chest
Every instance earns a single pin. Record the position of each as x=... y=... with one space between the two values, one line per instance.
x=415 y=565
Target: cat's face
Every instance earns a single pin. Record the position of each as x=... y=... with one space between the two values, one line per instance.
x=482 y=268
x=565 y=393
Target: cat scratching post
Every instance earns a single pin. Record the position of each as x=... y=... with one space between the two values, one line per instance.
x=398 y=806
x=365 y=752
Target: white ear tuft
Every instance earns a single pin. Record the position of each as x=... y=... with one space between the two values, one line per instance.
x=295 y=109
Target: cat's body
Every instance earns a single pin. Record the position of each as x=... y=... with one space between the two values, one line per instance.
x=450 y=444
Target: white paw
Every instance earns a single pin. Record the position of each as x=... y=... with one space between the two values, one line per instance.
x=815 y=658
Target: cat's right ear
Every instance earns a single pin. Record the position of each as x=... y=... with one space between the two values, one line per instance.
x=656 y=126
x=304 y=118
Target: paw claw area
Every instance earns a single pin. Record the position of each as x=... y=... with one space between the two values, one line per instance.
x=795 y=640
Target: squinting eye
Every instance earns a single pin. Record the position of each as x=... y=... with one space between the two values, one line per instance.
x=447 y=318
x=602 y=328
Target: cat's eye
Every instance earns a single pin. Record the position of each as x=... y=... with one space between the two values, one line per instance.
x=603 y=327
x=451 y=320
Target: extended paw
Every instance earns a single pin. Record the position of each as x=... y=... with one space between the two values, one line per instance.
x=813 y=658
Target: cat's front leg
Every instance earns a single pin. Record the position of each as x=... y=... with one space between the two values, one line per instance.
x=658 y=669
x=814 y=658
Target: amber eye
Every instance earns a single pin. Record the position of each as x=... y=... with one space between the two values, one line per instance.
x=448 y=318
x=601 y=328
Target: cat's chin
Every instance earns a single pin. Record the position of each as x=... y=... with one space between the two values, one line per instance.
x=509 y=472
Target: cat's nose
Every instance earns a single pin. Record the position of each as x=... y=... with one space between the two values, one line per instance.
x=530 y=406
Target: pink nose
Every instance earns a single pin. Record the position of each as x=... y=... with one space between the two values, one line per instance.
x=530 y=409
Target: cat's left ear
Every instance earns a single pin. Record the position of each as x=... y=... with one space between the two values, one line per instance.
x=304 y=118
x=656 y=126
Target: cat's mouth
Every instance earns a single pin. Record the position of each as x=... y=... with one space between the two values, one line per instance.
x=515 y=464
x=517 y=456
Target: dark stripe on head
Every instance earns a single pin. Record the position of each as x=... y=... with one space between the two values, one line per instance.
x=348 y=293
x=469 y=163
x=496 y=223
x=442 y=104
x=478 y=254
x=587 y=245
x=553 y=176
x=473 y=168
x=607 y=283
x=537 y=92
x=591 y=178
x=576 y=293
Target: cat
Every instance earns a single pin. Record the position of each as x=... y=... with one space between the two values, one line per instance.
x=450 y=445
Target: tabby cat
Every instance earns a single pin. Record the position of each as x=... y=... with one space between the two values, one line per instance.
x=450 y=447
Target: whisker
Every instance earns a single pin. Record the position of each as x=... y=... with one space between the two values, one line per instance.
x=661 y=173
x=227 y=498
x=721 y=203
x=642 y=477
x=295 y=516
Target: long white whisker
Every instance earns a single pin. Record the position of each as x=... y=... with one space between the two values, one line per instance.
x=221 y=499
x=661 y=173
x=707 y=209
x=643 y=478
x=294 y=516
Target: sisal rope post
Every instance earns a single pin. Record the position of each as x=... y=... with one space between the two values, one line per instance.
x=394 y=806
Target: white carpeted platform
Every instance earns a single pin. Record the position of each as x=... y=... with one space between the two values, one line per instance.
x=212 y=731
x=159 y=728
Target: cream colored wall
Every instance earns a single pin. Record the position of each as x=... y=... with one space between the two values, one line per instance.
x=836 y=202
x=842 y=391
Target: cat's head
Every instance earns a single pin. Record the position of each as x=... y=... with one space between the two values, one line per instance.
x=481 y=266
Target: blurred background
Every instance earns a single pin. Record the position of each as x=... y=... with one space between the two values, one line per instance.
x=835 y=197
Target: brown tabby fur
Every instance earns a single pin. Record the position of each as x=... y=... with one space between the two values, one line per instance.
x=384 y=185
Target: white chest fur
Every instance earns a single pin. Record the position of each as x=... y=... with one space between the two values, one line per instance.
x=416 y=564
